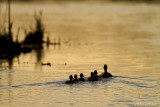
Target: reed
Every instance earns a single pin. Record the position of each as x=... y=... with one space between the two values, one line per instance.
x=35 y=36
x=3 y=31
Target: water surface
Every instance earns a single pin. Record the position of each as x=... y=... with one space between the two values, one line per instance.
x=123 y=35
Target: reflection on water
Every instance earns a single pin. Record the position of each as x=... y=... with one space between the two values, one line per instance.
x=10 y=60
x=124 y=36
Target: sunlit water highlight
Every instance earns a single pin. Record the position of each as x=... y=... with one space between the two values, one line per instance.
x=125 y=36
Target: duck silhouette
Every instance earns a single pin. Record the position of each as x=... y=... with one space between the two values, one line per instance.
x=96 y=74
x=81 y=77
x=48 y=63
x=105 y=74
x=75 y=78
x=70 y=81
x=92 y=78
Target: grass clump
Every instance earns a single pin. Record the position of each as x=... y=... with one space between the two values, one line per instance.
x=36 y=35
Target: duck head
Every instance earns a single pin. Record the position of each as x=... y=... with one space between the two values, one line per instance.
x=95 y=72
x=75 y=76
x=70 y=77
x=105 y=68
x=81 y=75
x=92 y=74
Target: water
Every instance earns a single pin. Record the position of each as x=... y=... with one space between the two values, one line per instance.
x=123 y=35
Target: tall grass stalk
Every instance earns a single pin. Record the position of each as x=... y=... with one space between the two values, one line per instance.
x=39 y=24
x=3 y=31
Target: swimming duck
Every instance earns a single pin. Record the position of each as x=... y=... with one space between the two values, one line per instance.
x=96 y=74
x=75 y=78
x=92 y=78
x=48 y=63
x=105 y=74
x=81 y=77
x=70 y=81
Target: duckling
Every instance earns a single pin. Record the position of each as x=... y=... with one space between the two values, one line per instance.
x=105 y=74
x=81 y=77
x=75 y=78
x=92 y=78
x=70 y=81
x=96 y=74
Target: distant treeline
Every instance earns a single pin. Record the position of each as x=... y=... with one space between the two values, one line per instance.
x=92 y=0
x=138 y=0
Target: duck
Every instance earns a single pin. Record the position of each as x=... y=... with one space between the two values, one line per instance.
x=92 y=78
x=96 y=74
x=105 y=74
x=81 y=77
x=75 y=78
x=70 y=81
x=48 y=63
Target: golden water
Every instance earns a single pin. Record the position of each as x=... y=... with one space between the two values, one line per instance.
x=123 y=35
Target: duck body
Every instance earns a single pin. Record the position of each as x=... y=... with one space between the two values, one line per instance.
x=75 y=80
x=69 y=82
x=106 y=75
x=97 y=76
x=81 y=79
x=48 y=64
x=92 y=79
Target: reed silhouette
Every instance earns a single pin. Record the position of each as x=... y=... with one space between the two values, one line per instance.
x=34 y=38
x=8 y=48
